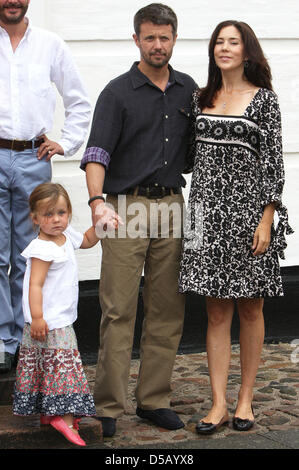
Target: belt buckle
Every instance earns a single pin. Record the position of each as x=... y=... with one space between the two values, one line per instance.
x=155 y=192
x=20 y=142
x=150 y=192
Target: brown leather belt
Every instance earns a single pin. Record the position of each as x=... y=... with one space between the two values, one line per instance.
x=19 y=145
x=153 y=192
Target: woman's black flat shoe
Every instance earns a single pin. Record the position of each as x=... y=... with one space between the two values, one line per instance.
x=243 y=424
x=210 y=428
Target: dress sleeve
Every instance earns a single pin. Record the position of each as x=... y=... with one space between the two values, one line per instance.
x=75 y=237
x=192 y=140
x=272 y=168
x=45 y=250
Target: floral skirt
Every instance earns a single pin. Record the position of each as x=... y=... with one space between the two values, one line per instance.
x=50 y=379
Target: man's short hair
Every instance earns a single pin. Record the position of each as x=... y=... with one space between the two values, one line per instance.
x=158 y=14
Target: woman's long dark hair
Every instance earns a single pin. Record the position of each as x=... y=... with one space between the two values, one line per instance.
x=257 y=70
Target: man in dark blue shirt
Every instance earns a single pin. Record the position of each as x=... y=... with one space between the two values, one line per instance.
x=136 y=153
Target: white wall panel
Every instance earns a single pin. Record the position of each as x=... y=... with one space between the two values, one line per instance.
x=291 y=199
x=100 y=19
x=99 y=33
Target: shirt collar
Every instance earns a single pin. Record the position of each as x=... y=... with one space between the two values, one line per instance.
x=28 y=29
x=139 y=79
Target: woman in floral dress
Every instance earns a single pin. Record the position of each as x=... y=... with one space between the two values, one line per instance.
x=231 y=247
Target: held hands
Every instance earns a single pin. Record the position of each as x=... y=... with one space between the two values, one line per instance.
x=261 y=239
x=39 y=329
x=104 y=218
x=49 y=148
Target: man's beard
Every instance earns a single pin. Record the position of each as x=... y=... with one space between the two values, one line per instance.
x=13 y=19
x=158 y=65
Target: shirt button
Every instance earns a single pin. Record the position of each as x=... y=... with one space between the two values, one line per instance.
x=166 y=140
x=166 y=117
x=165 y=163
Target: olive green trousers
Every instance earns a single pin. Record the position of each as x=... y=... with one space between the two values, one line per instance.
x=142 y=243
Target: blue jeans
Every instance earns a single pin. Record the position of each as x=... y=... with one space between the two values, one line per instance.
x=20 y=173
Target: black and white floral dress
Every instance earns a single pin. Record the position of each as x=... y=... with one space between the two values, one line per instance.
x=238 y=170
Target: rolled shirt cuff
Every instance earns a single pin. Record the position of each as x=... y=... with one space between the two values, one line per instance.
x=69 y=148
x=95 y=155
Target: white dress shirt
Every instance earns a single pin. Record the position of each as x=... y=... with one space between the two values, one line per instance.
x=27 y=95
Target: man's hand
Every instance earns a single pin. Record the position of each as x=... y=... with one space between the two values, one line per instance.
x=104 y=218
x=49 y=148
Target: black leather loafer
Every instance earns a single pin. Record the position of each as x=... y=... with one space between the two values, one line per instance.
x=108 y=425
x=240 y=424
x=162 y=417
x=210 y=428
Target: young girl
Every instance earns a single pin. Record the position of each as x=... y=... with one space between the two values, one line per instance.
x=50 y=379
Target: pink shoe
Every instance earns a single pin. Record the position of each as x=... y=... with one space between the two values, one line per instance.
x=60 y=425
x=44 y=419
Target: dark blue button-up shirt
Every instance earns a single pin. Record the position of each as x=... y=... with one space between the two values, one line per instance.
x=140 y=133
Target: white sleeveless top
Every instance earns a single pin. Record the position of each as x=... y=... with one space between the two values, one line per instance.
x=60 y=290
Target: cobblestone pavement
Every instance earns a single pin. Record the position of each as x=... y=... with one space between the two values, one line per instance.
x=276 y=404
x=276 y=409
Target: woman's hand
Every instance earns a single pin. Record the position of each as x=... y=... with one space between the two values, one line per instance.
x=39 y=329
x=261 y=239
x=262 y=235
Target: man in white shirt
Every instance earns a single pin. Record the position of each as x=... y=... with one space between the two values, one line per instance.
x=31 y=59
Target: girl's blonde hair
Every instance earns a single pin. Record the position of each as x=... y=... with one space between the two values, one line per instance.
x=50 y=191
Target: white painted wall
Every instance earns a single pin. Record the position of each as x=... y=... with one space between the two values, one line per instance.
x=99 y=33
